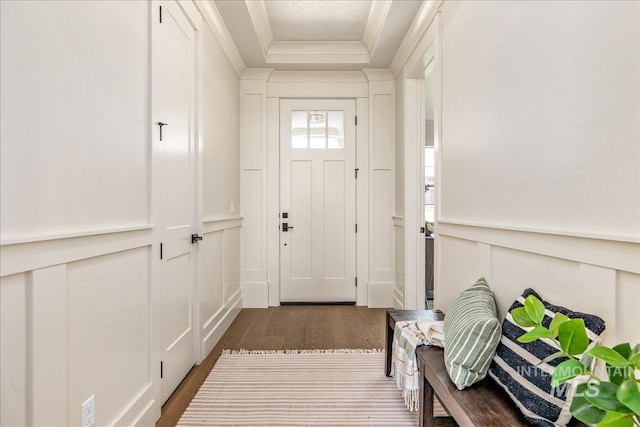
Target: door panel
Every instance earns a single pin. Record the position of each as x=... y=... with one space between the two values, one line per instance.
x=173 y=59
x=334 y=219
x=318 y=193
x=301 y=200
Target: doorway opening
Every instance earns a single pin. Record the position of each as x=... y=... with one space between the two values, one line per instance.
x=429 y=173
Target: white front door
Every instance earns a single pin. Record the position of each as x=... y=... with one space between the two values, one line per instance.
x=173 y=59
x=317 y=201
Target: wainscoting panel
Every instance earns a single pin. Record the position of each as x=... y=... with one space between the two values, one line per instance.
x=231 y=264
x=78 y=329
x=382 y=276
x=253 y=258
x=13 y=349
x=108 y=333
x=253 y=141
x=513 y=260
x=219 y=288
x=627 y=303
x=212 y=275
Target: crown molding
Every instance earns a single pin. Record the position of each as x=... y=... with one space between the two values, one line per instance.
x=317 y=52
x=418 y=27
x=214 y=20
x=257 y=73
x=375 y=23
x=317 y=77
x=260 y=19
x=378 y=74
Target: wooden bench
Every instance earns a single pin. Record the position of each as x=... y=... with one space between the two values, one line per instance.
x=483 y=404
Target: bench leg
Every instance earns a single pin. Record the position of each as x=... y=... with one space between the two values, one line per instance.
x=426 y=401
x=389 y=340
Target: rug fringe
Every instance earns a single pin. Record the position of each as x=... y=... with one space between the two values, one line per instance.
x=243 y=352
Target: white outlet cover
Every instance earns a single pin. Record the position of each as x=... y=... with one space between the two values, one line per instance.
x=232 y=207
x=89 y=412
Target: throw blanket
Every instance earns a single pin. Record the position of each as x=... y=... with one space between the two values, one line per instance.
x=404 y=365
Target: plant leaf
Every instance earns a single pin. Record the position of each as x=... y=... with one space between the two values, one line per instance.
x=623 y=350
x=565 y=371
x=616 y=419
x=573 y=337
x=521 y=317
x=554 y=356
x=635 y=360
x=534 y=334
x=585 y=411
x=610 y=356
x=617 y=375
x=629 y=394
x=603 y=395
x=534 y=308
x=558 y=320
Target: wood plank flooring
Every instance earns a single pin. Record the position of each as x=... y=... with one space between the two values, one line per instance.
x=284 y=328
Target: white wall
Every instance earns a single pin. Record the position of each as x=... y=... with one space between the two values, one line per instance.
x=541 y=155
x=219 y=286
x=71 y=161
x=77 y=308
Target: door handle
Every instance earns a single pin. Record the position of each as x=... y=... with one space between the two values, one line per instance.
x=286 y=227
x=195 y=238
x=161 y=124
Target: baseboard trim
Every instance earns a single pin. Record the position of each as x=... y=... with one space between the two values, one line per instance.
x=318 y=303
x=224 y=317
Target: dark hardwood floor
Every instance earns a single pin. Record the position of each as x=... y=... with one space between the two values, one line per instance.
x=284 y=328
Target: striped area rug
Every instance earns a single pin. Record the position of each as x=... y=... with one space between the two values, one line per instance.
x=306 y=387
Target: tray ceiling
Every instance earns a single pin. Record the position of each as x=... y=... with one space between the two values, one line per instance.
x=317 y=35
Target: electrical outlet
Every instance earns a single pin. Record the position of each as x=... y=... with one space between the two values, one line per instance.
x=89 y=412
x=232 y=207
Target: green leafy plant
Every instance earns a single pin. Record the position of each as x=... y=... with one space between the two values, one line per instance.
x=606 y=403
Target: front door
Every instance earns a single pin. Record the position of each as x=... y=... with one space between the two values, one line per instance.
x=174 y=162
x=317 y=201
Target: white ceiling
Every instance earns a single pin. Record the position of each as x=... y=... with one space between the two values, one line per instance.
x=317 y=35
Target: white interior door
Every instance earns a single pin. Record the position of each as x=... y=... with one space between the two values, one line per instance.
x=317 y=201
x=173 y=105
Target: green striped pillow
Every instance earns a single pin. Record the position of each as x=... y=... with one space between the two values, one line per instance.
x=472 y=332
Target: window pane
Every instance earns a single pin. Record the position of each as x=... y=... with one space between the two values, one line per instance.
x=299 y=131
x=317 y=129
x=335 y=130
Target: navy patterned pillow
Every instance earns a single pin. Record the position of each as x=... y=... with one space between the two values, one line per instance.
x=518 y=369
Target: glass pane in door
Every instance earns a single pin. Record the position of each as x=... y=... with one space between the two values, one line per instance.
x=299 y=130
x=335 y=129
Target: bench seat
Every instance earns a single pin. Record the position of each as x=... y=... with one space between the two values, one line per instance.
x=483 y=404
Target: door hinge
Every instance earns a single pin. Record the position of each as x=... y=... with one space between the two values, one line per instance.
x=160 y=250
x=422 y=230
x=357 y=173
x=161 y=370
x=356 y=120
x=356 y=282
x=356 y=228
x=161 y=14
